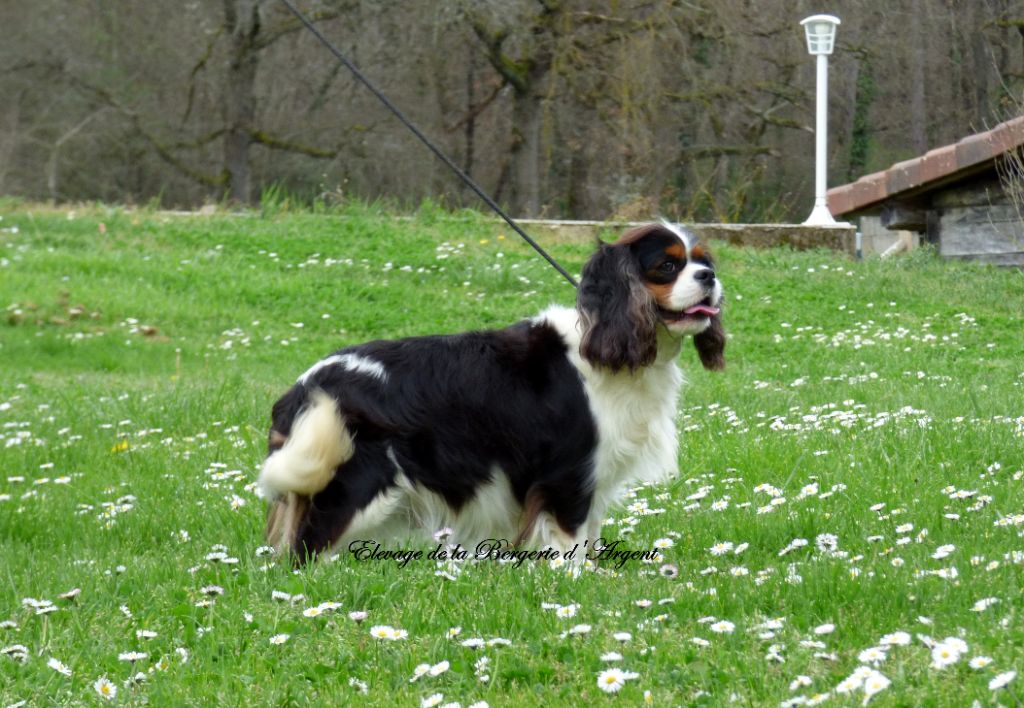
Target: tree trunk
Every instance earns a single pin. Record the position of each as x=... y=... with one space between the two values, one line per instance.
x=918 y=60
x=242 y=22
x=469 y=134
x=526 y=148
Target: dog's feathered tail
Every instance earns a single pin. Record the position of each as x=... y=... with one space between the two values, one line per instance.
x=318 y=444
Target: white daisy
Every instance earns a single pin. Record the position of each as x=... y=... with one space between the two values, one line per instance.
x=799 y=681
x=105 y=688
x=611 y=680
x=132 y=656
x=957 y=643
x=873 y=656
x=566 y=611
x=984 y=604
x=849 y=685
x=944 y=655
x=874 y=683
x=58 y=666
x=1001 y=680
x=861 y=673
x=431 y=701
x=382 y=631
x=827 y=542
x=896 y=639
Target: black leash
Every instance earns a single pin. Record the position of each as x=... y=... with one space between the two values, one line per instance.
x=426 y=141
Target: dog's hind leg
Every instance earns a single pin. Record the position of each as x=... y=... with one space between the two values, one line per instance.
x=360 y=497
x=287 y=513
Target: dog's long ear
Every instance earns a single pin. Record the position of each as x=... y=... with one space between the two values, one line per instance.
x=711 y=345
x=618 y=315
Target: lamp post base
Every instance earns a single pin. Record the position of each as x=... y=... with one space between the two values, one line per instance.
x=820 y=216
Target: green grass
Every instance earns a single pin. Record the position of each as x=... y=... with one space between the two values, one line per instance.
x=141 y=353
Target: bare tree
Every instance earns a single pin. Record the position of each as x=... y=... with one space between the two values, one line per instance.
x=699 y=109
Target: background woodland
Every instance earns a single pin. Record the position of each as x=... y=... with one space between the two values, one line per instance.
x=696 y=109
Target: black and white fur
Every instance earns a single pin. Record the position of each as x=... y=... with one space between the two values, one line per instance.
x=527 y=434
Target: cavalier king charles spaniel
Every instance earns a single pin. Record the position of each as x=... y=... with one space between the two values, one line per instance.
x=526 y=434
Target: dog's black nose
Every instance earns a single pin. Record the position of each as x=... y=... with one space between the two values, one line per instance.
x=705 y=277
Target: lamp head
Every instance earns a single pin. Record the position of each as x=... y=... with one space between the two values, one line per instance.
x=821 y=33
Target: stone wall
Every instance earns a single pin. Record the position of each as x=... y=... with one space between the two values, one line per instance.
x=797 y=236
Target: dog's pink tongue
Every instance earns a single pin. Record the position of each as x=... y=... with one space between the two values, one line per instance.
x=705 y=310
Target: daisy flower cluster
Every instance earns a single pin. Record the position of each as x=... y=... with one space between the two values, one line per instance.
x=812 y=564
x=387 y=633
x=141 y=668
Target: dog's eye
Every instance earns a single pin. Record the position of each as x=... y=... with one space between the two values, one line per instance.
x=668 y=267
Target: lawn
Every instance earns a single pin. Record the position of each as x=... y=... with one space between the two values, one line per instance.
x=847 y=523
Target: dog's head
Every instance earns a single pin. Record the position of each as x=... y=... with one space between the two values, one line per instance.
x=654 y=277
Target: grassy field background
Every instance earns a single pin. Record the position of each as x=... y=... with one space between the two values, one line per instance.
x=846 y=525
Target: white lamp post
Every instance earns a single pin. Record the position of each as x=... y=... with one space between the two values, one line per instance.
x=821 y=37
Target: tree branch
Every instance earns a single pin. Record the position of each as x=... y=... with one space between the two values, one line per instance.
x=274 y=143
x=199 y=66
x=700 y=151
x=476 y=110
x=286 y=27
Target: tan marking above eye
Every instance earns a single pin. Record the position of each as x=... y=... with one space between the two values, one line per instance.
x=698 y=252
x=676 y=250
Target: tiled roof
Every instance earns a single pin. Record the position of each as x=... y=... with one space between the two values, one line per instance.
x=935 y=165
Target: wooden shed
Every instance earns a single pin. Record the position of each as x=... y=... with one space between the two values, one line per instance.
x=967 y=198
